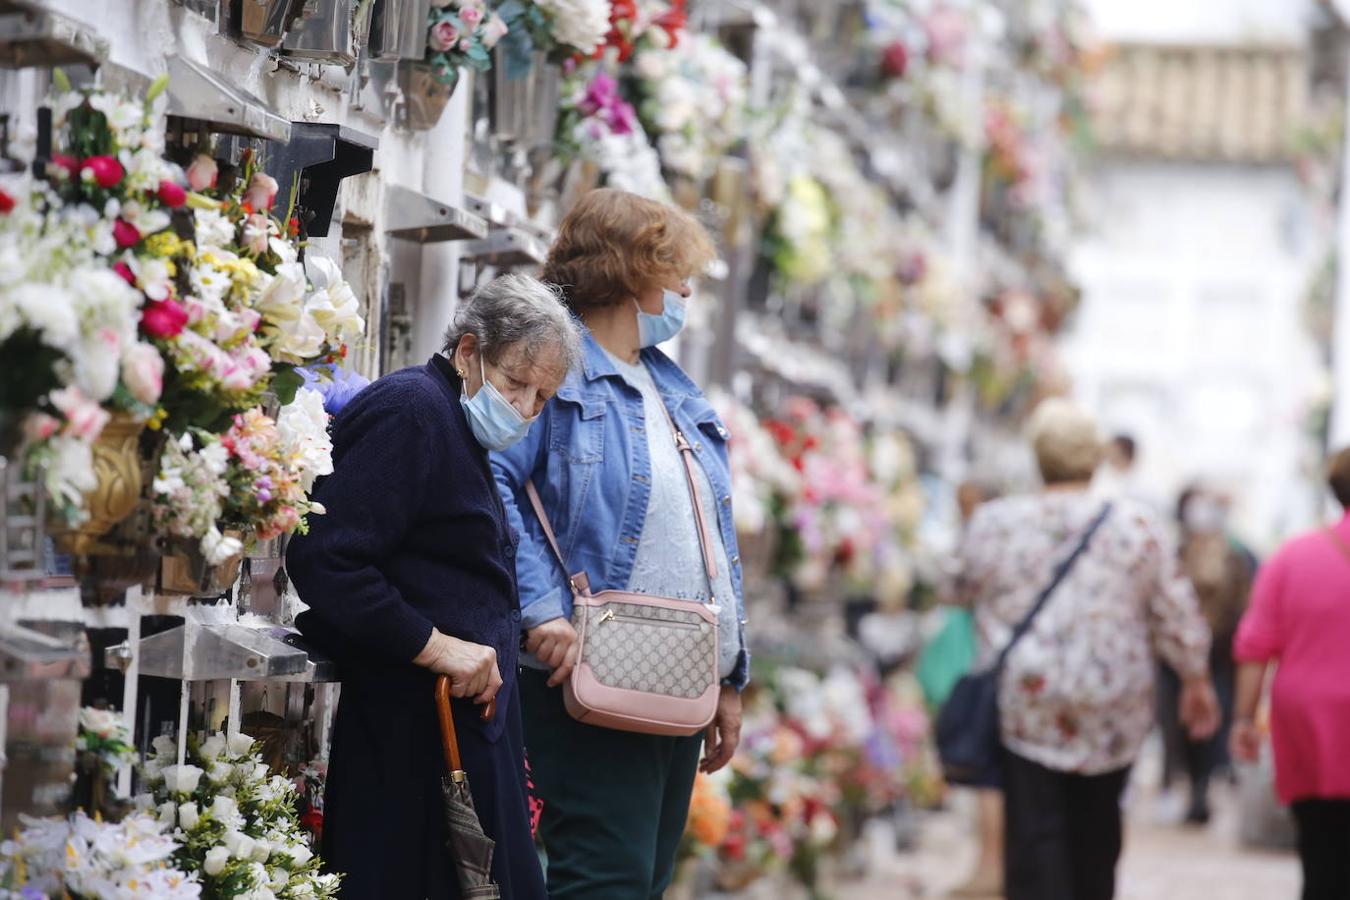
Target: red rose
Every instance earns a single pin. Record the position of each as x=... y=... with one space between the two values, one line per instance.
x=895 y=59
x=125 y=234
x=6 y=203
x=163 y=318
x=171 y=194
x=107 y=171
x=124 y=270
x=69 y=165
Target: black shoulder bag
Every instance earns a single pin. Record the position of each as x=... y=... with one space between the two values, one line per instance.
x=968 y=738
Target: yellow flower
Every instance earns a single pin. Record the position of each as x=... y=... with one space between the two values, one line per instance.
x=156 y=420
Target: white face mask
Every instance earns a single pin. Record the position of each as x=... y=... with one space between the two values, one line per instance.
x=492 y=419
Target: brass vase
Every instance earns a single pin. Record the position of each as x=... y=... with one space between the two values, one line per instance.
x=184 y=570
x=117 y=465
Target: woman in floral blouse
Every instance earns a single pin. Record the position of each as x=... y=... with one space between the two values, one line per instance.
x=1076 y=694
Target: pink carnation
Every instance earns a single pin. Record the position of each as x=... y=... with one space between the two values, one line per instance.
x=442 y=37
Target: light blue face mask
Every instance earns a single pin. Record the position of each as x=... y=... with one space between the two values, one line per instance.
x=492 y=419
x=653 y=330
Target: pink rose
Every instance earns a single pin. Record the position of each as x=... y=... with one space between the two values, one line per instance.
x=104 y=170
x=470 y=16
x=143 y=372
x=124 y=270
x=202 y=173
x=84 y=418
x=261 y=192
x=257 y=228
x=171 y=194
x=443 y=37
x=163 y=318
x=125 y=234
x=493 y=31
x=39 y=426
x=6 y=204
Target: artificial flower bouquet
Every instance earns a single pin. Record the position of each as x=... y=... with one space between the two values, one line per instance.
x=75 y=328
x=561 y=29
x=104 y=734
x=82 y=857
x=234 y=820
x=461 y=35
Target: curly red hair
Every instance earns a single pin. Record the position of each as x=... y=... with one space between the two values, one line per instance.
x=614 y=245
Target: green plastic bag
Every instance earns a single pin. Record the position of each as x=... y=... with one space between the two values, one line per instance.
x=948 y=656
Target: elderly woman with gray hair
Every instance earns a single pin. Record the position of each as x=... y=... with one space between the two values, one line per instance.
x=1076 y=688
x=411 y=574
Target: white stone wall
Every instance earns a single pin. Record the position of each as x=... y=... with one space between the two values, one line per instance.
x=1191 y=335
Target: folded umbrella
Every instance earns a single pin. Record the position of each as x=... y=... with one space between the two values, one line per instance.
x=470 y=848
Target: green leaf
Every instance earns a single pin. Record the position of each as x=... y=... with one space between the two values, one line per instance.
x=285 y=383
x=156 y=88
x=61 y=80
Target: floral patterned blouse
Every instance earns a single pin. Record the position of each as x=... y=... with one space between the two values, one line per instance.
x=1077 y=691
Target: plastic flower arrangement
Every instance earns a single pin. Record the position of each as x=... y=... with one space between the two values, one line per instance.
x=637 y=25
x=235 y=821
x=561 y=29
x=252 y=312
x=82 y=857
x=253 y=479
x=799 y=236
x=694 y=102
x=598 y=125
x=69 y=308
x=104 y=733
x=461 y=35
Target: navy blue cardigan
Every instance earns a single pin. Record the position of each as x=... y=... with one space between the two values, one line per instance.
x=414 y=535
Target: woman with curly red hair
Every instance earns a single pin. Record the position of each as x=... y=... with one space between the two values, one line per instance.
x=605 y=461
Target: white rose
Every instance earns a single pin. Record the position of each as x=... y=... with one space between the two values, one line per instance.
x=217 y=548
x=101 y=722
x=164 y=745
x=299 y=854
x=261 y=850
x=240 y=744
x=215 y=860
x=224 y=808
x=301 y=339
x=283 y=298
x=261 y=772
x=241 y=845
x=188 y=815
x=143 y=372
x=219 y=772
x=168 y=813
x=182 y=779
x=280 y=877
x=213 y=746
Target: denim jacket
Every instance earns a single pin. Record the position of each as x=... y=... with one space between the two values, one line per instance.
x=593 y=477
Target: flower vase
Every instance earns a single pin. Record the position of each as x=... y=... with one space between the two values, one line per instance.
x=425 y=95
x=117 y=466
x=184 y=569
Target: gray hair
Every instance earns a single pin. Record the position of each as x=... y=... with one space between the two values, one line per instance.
x=1065 y=438
x=516 y=309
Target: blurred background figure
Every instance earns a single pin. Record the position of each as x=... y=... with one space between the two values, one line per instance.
x=1076 y=692
x=1300 y=618
x=944 y=660
x=1220 y=569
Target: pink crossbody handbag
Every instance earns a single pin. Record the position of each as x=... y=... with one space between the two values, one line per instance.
x=644 y=663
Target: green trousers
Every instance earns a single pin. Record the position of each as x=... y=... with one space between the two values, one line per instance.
x=615 y=803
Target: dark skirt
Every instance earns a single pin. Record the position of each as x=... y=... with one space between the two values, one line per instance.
x=384 y=822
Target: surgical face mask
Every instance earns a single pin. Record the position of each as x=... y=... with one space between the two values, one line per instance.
x=1204 y=514
x=492 y=419
x=653 y=330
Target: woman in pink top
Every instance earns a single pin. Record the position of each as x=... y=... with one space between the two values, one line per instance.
x=1300 y=617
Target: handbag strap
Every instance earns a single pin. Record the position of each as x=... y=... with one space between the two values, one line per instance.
x=1061 y=572
x=691 y=480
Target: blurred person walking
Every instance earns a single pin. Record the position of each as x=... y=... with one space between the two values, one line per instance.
x=1220 y=569
x=1076 y=691
x=1300 y=618
x=945 y=659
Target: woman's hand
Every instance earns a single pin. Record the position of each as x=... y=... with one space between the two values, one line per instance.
x=472 y=667
x=1245 y=741
x=1199 y=707
x=554 y=644
x=724 y=734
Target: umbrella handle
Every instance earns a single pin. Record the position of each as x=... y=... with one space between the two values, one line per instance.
x=449 y=739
